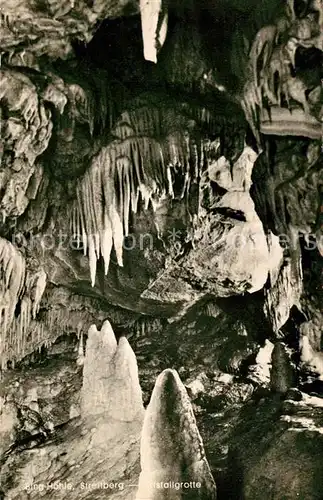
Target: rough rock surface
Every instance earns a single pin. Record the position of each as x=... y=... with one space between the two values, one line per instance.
x=289 y=433
x=48 y=29
x=75 y=462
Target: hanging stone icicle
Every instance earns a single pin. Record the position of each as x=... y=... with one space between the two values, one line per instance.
x=127 y=194
x=134 y=186
x=79 y=208
x=111 y=205
x=92 y=258
x=90 y=223
x=97 y=202
x=106 y=241
x=12 y=278
x=127 y=168
x=39 y=285
x=120 y=194
x=117 y=233
x=25 y=334
x=80 y=353
x=154 y=20
x=123 y=169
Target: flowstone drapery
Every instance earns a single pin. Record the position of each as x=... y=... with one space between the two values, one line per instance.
x=22 y=289
x=139 y=166
x=278 y=97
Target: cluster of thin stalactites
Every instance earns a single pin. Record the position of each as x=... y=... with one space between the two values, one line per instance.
x=134 y=170
x=21 y=291
x=150 y=150
x=271 y=79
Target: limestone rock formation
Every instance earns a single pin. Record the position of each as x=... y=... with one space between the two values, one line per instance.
x=106 y=359
x=76 y=461
x=50 y=28
x=285 y=434
x=173 y=460
x=272 y=75
x=282 y=376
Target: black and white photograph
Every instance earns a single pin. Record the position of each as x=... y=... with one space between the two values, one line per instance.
x=161 y=250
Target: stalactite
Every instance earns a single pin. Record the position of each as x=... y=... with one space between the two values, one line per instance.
x=79 y=208
x=25 y=336
x=12 y=278
x=211 y=309
x=271 y=81
x=145 y=327
x=80 y=353
x=134 y=166
x=25 y=287
x=106 y=241
x=92 y=258
x=39 y=285
x=154 y=19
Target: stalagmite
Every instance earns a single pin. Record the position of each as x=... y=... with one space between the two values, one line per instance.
x=128 y=398
x=171 y=447
x=110 y=378
x=282 y=375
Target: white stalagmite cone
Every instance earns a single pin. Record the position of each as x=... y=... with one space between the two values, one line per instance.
x=92 y=331
x=171 y=445
x=108 y=336
x=110 y=386
x=98 y=367
x=128 y=399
